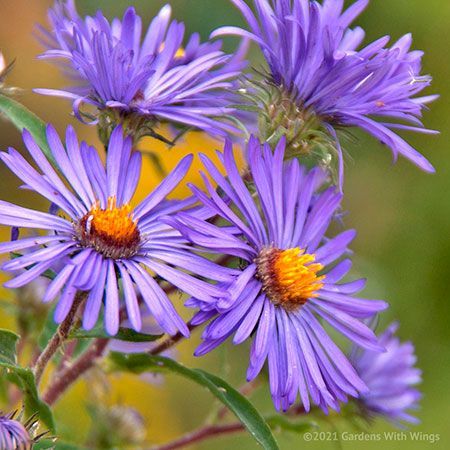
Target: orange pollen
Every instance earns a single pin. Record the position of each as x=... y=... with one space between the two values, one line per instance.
x=112 y=231
x=289 y=277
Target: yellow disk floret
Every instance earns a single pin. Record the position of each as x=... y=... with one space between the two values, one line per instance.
x=113 y=222
x=111 y=231
x=289 y=277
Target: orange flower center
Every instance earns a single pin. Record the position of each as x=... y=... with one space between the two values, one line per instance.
x=289 y=277
x=111 y=231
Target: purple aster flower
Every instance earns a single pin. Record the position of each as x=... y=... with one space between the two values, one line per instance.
x=99 y=242
x=324 y=80
x=13 y=435
x=390 y=377
x=153 y=78
x=289 y=277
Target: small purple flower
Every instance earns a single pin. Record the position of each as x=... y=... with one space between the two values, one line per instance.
x=13 y=435
x=318 y=63
x=289 y=277
x=99 y=242
x=155 y=78
x=390 y=377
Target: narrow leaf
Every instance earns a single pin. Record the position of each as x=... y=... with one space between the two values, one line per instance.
x=8 y=341
x=23 y=118
x=288 y=424
x=23 y=378
x=124 y=334
x=51 y=444
x=236 y=402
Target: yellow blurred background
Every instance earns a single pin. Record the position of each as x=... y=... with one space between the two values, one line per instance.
x=402 y=216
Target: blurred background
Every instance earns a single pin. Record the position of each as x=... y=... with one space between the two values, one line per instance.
x=402 y=216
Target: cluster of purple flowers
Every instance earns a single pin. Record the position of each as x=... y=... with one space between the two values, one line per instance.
x=290 y=285
x=318 y=60
x=157 y=76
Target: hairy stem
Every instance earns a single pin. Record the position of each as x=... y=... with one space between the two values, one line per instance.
x=66 y=377
x=201 y=434
x=58 y=338
x=67 y=355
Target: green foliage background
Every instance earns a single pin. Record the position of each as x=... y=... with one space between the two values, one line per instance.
x=402 y=216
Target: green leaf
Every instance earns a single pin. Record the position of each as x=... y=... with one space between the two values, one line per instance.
x=48 y=274
x=8 y=342
x=4 y=394
x=67 y=446
x=50 y=444
x=288 y=424
x=23 y=378
x=45 y=444
x=124 y=334
x=22 y=118
x=237 y=403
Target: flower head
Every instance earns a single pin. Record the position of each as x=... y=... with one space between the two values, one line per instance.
x=390 y=377
x=115 y=426
x=14 y=435
x=99 y=243
x=321 y=79
x=142 y=81
x=288 y=280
